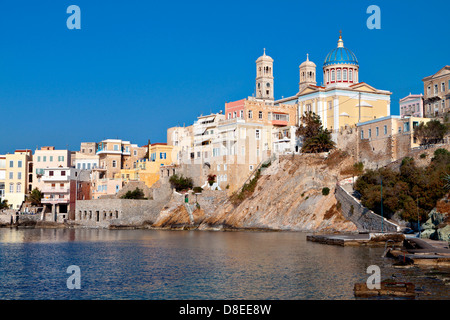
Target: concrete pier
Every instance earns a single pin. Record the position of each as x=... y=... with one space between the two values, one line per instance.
x=358 y=239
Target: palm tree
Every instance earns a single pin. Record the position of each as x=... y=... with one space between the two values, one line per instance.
x=35 y=197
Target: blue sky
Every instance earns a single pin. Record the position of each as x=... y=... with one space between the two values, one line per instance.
x=138 y=67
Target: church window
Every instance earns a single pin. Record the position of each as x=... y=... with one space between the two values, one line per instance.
x=345 y=75
x=350 y=75
x=332 y=75
x=328 y=76
x=268 y=85
x=338 y=76
x=259 y=85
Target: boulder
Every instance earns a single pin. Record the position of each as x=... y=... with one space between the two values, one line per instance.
x=443 y=234
x=427 y=233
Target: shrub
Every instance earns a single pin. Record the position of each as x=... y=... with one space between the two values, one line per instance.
x=197 y=189
x=180 y=182
x=325 y=191
x=411 y=191
x=135 y=194
x=423 y=155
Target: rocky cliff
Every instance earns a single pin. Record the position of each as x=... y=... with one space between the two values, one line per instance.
x=288 y=196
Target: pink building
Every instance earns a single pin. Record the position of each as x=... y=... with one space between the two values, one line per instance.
x=48 y=157
x=412 y=106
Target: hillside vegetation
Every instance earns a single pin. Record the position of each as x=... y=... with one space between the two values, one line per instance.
x=411 y=192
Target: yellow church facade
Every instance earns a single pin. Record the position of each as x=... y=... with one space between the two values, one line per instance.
x=342 y=100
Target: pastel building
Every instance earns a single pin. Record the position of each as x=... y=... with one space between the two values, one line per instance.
x=116 y=154
x=148 y=169
x=62 y=187
x=387 y=139
x=86 y=158
x=18 y=177
x=411 y=106
x=342 y=100
x=182 y=140
x=437 y=93
x=48 y=157
x=2 y=176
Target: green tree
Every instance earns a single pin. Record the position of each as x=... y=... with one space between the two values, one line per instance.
x=409 y=191
x=4 y=204
x=35 y=197
x=431 y=132
x=316 y=139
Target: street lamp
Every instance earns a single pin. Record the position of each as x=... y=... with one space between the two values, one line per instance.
x=381 y=204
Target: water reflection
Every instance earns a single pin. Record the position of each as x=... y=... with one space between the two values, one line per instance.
x=151 y=264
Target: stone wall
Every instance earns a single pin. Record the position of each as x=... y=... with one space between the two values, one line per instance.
x=106 y=213
x=116 y=212
x=362 y=217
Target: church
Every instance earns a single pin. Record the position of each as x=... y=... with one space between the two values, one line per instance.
x=342 y=100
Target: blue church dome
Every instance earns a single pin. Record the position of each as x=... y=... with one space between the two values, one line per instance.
x=340 y=55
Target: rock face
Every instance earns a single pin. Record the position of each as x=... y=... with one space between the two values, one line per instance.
x=436 y=227
x=287 y=197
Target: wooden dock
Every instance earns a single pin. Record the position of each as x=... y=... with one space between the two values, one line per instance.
x=358 y=239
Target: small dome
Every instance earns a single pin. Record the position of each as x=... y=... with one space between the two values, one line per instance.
x=265 y=57
x=340 y=55
x=307 y=62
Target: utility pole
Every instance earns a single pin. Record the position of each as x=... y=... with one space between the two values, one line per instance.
x=382 y=204
x=418 y=217
x=359 y=107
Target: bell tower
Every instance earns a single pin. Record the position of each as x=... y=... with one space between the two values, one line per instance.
x=307 y=74
x=264 y=77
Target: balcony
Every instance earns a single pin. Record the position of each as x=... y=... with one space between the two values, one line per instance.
x=48 y=178
x=55 y=200
x=280 y=119
x=49 y=189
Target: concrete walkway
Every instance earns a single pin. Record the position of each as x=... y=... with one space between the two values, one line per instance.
x=426 y=246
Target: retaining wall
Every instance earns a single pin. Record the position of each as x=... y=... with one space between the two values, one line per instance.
x=362 y=217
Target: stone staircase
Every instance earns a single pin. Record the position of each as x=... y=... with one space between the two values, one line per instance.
x=190 y=209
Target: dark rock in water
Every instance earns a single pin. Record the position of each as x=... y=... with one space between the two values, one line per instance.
x=388 y=288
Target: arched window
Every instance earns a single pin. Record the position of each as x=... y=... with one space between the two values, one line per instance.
x=332 y=75
x=350 y=75
x=19 y=188
x=338 y=75
x=345 y=75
